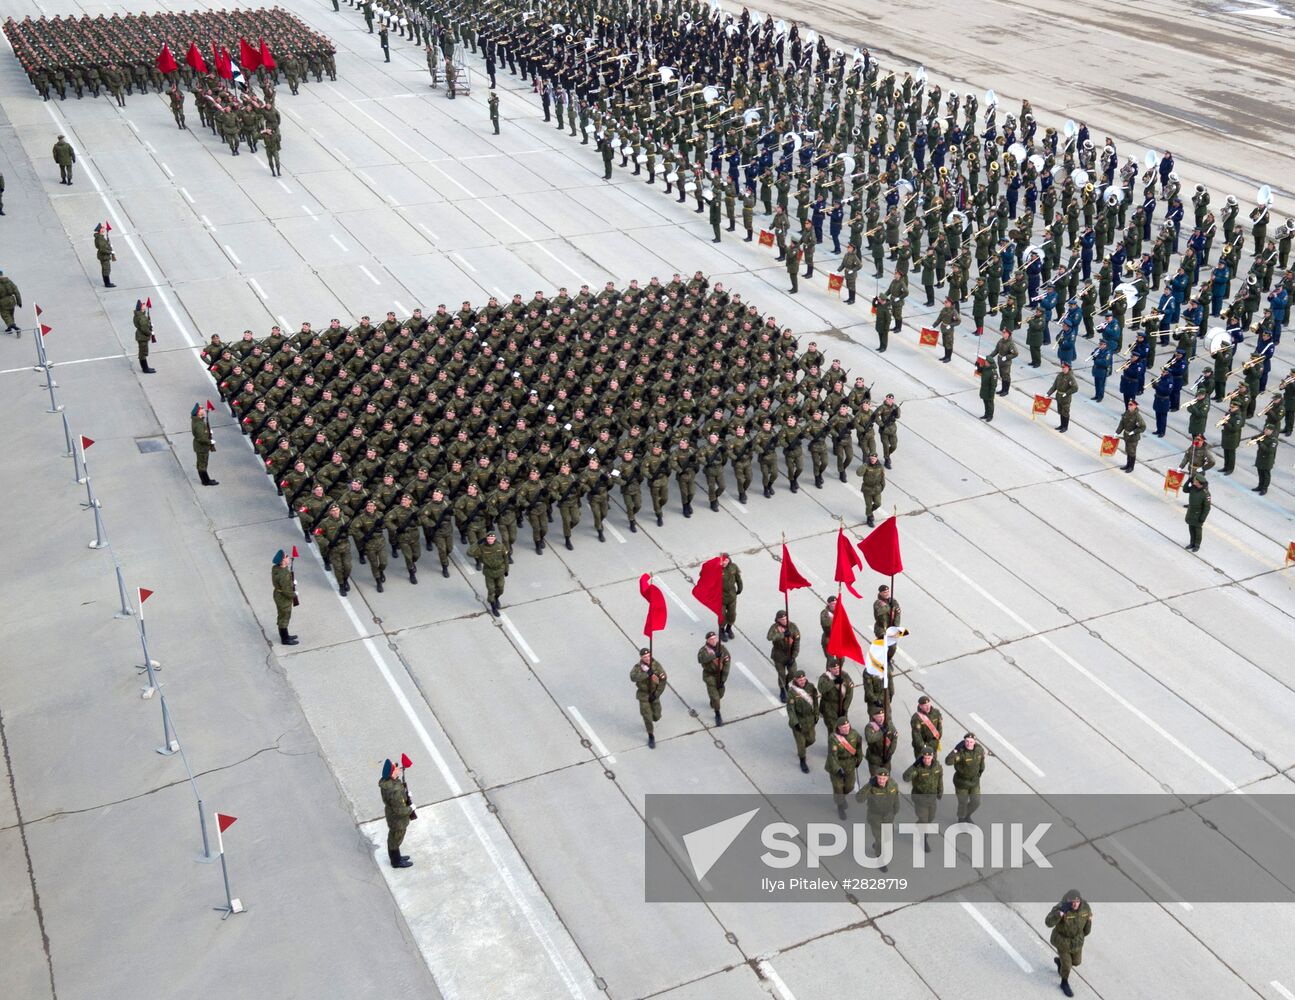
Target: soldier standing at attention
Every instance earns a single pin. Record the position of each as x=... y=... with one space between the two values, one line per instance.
x=802 y=715
x=850 y=267
x=1265 y=458
x=1198 y=509
x=968 y=761
x=203 y=445
x=1071 y=921
x=103 y=251
x=398 y=811
x=785 y=637
x=285 y=590
x=945 y=323
x=273 y=142
x=493 y=557
x=1063 y=388
x=1131 y=427
x=732 y=586
x=825 y=622
x=64 y=156
x=844 y=755
x=988 y=381
x=383 y=39
x=1004 y=351
x=649 y=679
x=493 y=104
x=715 y=662
x=143 y=336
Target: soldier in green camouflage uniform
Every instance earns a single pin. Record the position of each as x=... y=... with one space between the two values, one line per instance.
x=844 y=755
x=715 y=664
x=398 y=812
x=649 y=679
x=802 y=714
x=785 y=637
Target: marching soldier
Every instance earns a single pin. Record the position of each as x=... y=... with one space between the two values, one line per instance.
x=335 y=546
x=926 y=778
x=874 y=482
x=398 y=812
x=825 y=621
x=802 y=715
x=367 y=528
x=438 y=528
x=880 y=797
x=1071 y=921
x=64 y=156
x=285 y=593
x=968 y=762
x=492 y=556
x=731 y=587
x=844 y=755
x=649 y=679
x=402 y=528
x=881 y=739
x=203 y=445
x=715 y=663
x=835 y=693
x=927 y=725
x=785 y=637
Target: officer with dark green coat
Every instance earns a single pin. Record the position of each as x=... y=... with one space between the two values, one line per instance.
x=850 y=267
x=1062 y=390
x=802 y=714
x=835 y=693
x=493 y=103
x=881 y=738
x=649 y=679
x=715 y=212
x=945 y=323
x=1265 y=458
x=1198 y=509
x=492 y=554
x=285 y=591
x=1005 y=350
x=784 y=635
x=398 y=811
x=926 y=777
x=968 y=762
x=926 y=725
x=792 y=260
x=880 y=797
x=844 y=755
x=203 y=445
x=881 y=311
x=1071 y=921
x=988 y=384
x=1232 y=430
x=1198 y=413
x=1131 y=427
x=715 y=663
x=605 y=147
x=731 y=587
x=64 y=157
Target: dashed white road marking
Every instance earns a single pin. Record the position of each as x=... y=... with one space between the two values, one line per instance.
x=369 y=274
x=1161 y=883
x=678 y=603
x=517 y=637
x=998 y=938
x=340 y=245
x=759 y=685
x=256 y=285
x=1001 y=742
x=600 y=748
x=774 y=979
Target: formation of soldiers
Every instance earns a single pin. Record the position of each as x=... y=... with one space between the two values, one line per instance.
x=482 y=421
x=1039 y=229
x=118 y=54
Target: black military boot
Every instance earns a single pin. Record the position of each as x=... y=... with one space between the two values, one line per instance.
x=687 y=510
x=714 y=505
x=651 y=741
x=795 y=484
x=633 y=525
x=1065 y=988
x=379 y=585
x=570 y=547
x=287 y=640
x=600 y=535
x=494 y=608
x=363 y=559
x=1128 y=466
x=803 y=766
x=840 y=810
x=413 y=576
x=539 y=547
x=782 y=694
x=719 y=720
x=445 y=570
x=659 y=520
x=948 y=356
x=844 y=478
x=398 y=860
x=145 y=368
x=345 y=588
x=1065 y=424
x=850 y=300
x=818 y=482
x=741 y=498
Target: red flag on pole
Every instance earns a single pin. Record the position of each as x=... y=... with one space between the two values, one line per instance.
x=86 y=442
x=215 y=58
x=38 y=310
x=847 y=560
x=194 y=59
x=405 y=761
x=881 y=548
x=226 y=66
x=165 y=61
x=248 y=57
x=148 y=302
x=225 y=822
x=210 y=408
x=45 y=329
x=709 y=591
x=842 y=641
x=789 y=577
x=267 y=60
x=294 y=553
x=107 y=227
x=656 y=615
x=144 y=594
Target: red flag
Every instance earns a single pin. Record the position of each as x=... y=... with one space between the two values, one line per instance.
x=225 y=822
x=294 y=553
x=144 y=594
x=846 y=561
x=789 y=577
x=656 y=615
x=38 y=310
x=215 y=58
x=881 y=548
x=267 y=60
x=405 y=761
x=929 y=337
x=148 y=302
x=45 y=329
x=194 y=59
x=1110 y=444
x=710 y=586
x=1041 y=405
x=86 y=442
x=248 y=57
x=1174 y=480
x=165 y=61
x=210 y=408
x=835 y=281
x=766 y=238
x=226 y=65
x=107 y=226
x=842 y=641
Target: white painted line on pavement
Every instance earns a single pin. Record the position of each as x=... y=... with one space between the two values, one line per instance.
x=600 y=748
x=149 y=146
x=729 y=501
x=998 y=938
x=133 y=125
x=369 y=274
x=340 y=154
x=758 y=684
x=463 y=260
x=130 y=243
x=675 y=597
x=428 y=231
x=463 y=564
x=256 y=285
x=232 y=256
x=187 y=196
x=456 y=789
x=615 y=534
x=285 y=187
x=775 y=980
x=392 y=199
x=365 y=177
x=339 y=243
x=1137 y=863
x=168 y=170
x=309 y=211
x=517 y=636
x=207 y=222
x=1282 y=991
x=399 y=307
x=283 y=321
x=1000 y=741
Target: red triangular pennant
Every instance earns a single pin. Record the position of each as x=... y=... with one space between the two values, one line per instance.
x=148 y=302
x=847 y=561
x=38 y=310
x=45 y=329
x=789 y=577
x=86 y=442
x=405 y=761
x=842 y=641
x=210 y=408
x=144 y=594
x=107 y=226
x=294 y=553
x=225 y=822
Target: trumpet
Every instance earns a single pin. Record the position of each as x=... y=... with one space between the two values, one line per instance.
x=1252 y=442
x=1220 y=423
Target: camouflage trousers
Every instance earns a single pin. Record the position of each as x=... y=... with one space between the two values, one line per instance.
x=804 y=738
x=650 y=710
x=396 y=833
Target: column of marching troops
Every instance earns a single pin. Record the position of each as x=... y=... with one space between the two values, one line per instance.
x=1026 y=224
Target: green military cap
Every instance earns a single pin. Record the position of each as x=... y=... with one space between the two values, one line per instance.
x=798 y=674
x=710 y=634
x=927 y=751
x=883 y=770
x=876 y=708
x=644 y=651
